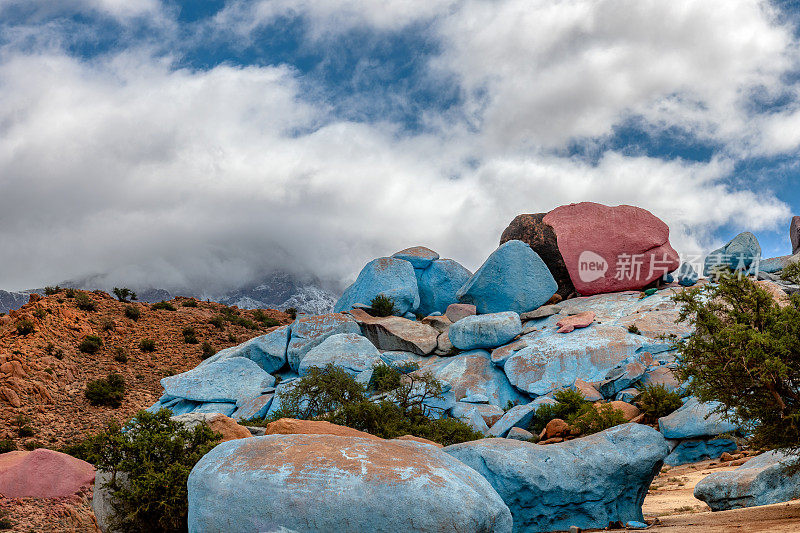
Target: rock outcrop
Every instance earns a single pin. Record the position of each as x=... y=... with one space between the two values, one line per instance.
x=485 y=331
x=310 y=331
x=43 y=473
x=393 y=333
x=387 y=276
x=741 y=253
x=223 y=381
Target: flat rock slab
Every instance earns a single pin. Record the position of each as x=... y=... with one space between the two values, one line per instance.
x=694 y=450
x=349 y=351
x=586 y=482
x=222 y=381
x=268 y=351
x=418 y=256
x=485 y=331
x=394 y=333
x=694 y=419
x=309 y=331
x=309 y=483
x=43 y=473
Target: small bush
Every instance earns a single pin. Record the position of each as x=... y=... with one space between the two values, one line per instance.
x=84 y=303
x=50 y=291
x=49 y=348
x=120 y=355
x=40 y=313
x=266 y=321
x=132 y=312
x=292 y=312
x=147 y=345
x=7 y=445
x=384 y=378
x=26 y=431
x=791 y=273
x=189 y=303
x=217 y=321
x=569 y=405
x=107 y=324
x=25 y=327
x=189 y=335
x=69 y=293
x=90 y=344
x=382 y=305
x=5 y=521
x=166 y=306
x=655 y=401
x=597 y=418
x=109 y=391
x=633 y=328
x=207 y=350
x=124 y=294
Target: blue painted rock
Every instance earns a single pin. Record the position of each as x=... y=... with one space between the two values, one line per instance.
x=686 y=275
x=513 y=278
x=663 y=375
x=774 y=264
x=694 y=450
x=355 y=484
x=502 y=354
x=223 y=408
x=518 y=416
x=268 y=351
x=739 y=254
x=309 y=331
x=622 y=377
x=485 y=331
x=762 y=480
x=223 y=381
x=255 y=407
x=419 y=256
x=586 y=482
x=553 y=361
x=588 y=390
x=438 y=284
x=490 y=413
x=387 y=276
x=472 y=373
x=694 y=419
x=394 y=333
x=348 y=351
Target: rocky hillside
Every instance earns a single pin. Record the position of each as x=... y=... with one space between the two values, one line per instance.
x=44 y=373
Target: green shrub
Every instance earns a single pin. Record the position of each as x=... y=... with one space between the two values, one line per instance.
x=292 y=312
x=50 y=290
x=791 y=273
x=147 y=345
x=266 y=321
x=83 y=302
x=39 y=313
x=217 y=321
x=384 y=378
x=382 y=305
x=26 y=431
x=189 y=335
x=166 y=306
x=207 y=350
x=90 y=344
x=189 y=303
x=7 y=445
x=109 y=391
x=569 y=405
x=155 y=454
x=69 y=293
x=655 y=401
x=633 y=328
x=5 y=521
x=597 y=418
x=232 y=315
x=25 y=327
x=132 y=312
x=120 y=355
x=107 y=324
x=124 y=294
x=745 y=354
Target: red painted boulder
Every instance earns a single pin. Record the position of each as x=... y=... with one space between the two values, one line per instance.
x=610 y=249
x=42 y=474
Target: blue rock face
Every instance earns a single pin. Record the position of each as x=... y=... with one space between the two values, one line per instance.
x=739 y=254
x=391 y=277
x=223 y=408
x=686 y=275
x=256 y=407
x=760 y=481
x=519 y=416
x=331 y=483
x=438 y=285
x=485 y=331
x=513 y=278
x=310 y=331
x=222 y=381
x=586 y=482
x=419 y=256
x=694 y=419
x=348 y=351
x=694 y=450
x=268 y=351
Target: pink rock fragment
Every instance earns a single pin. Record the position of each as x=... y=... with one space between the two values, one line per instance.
x=581 y=320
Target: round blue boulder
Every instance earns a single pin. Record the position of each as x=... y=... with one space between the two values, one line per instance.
x=485 y=331
x=438 y=285
x=387 y=276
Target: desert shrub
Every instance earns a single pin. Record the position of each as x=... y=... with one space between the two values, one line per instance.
x=633 y=328
x=217 y=321
x=382 y=305
x=384 y=378
x=569 y=405
x=107 y=324
x=132 y=312
x=597 y=418
x=120 y=355
x=25 y=327
x=50 y=290
x=154 y=455
x=162 y=305
x=7 y=445
x=39 y=312
x=147 y=345
x=90 y=344
x=291 y=311
x=745 y=354
x=232 y=315
x=189 y=303
x=69 y=293
x=124 y=294
x=791 y=273
x=189 y=335
x=84 y=303
x=26 y=431
x=266 y=321
x=655 y=401
x=108 y=391
x=207 y=350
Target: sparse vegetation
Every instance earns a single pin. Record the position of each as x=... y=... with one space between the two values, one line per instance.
x=189 y=303
x=633 y=328
x=107 y=324
x=655 y=401
x=132 y=312
x=90 y=344
x=791 y=273
x=69 y=293
x=84 y=303
x=124 y=294
x=25 y=327
x=292 y=312
x=573 y=408
x=147 y=345
x=51 y=290
x=7 y=445
x=384 y=378
x=266 y=321
x=597 y=418
x=162 y=305
x=207 y=350
x=382 y=305
x=189 y=335
x=26 y=431
x=39 y=313
x=108 y=391
x=217 y=321
x=120 y=355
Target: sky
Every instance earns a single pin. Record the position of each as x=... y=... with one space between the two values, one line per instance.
x=204 y=143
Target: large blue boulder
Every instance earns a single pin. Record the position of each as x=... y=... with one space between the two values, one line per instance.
x=586 y=482
x=222 y=381
x=268 y=351
x=739 y=254
x=762 y=480
x=513 y=278
x=310 y=483
x=349 y=351
x=695 y=419
x=309 y=331
x=519 y=416
x=438 y=285
x=485 y=331
x=686 y=275
x=387 y=276
x=694 y=450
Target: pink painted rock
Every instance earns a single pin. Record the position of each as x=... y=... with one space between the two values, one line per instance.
x=456 y=312
x=610 y=249
x=42 y=474
x=581 y=320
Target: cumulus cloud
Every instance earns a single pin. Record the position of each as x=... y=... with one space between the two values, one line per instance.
x=132 y=165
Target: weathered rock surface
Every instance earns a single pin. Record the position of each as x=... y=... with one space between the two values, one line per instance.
x=309 y=331
x=223 y=425
x=418 y=256
x=438 y=285
x=694 y=450
x=694 y=419
x=43 y=473
x=794 y=234
x=387 y=276
x=472 y=373
x=292 y=426
x=267 y=351
x=586 y=482
x=349 y=351
x=393 y=333
x=513 y=278
x=485 y=331
x=456 y=312
x=569 y=323
x=221 y=381
x=760 y=481
x=738 y=254
x=518 y=416
x=333 y=483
